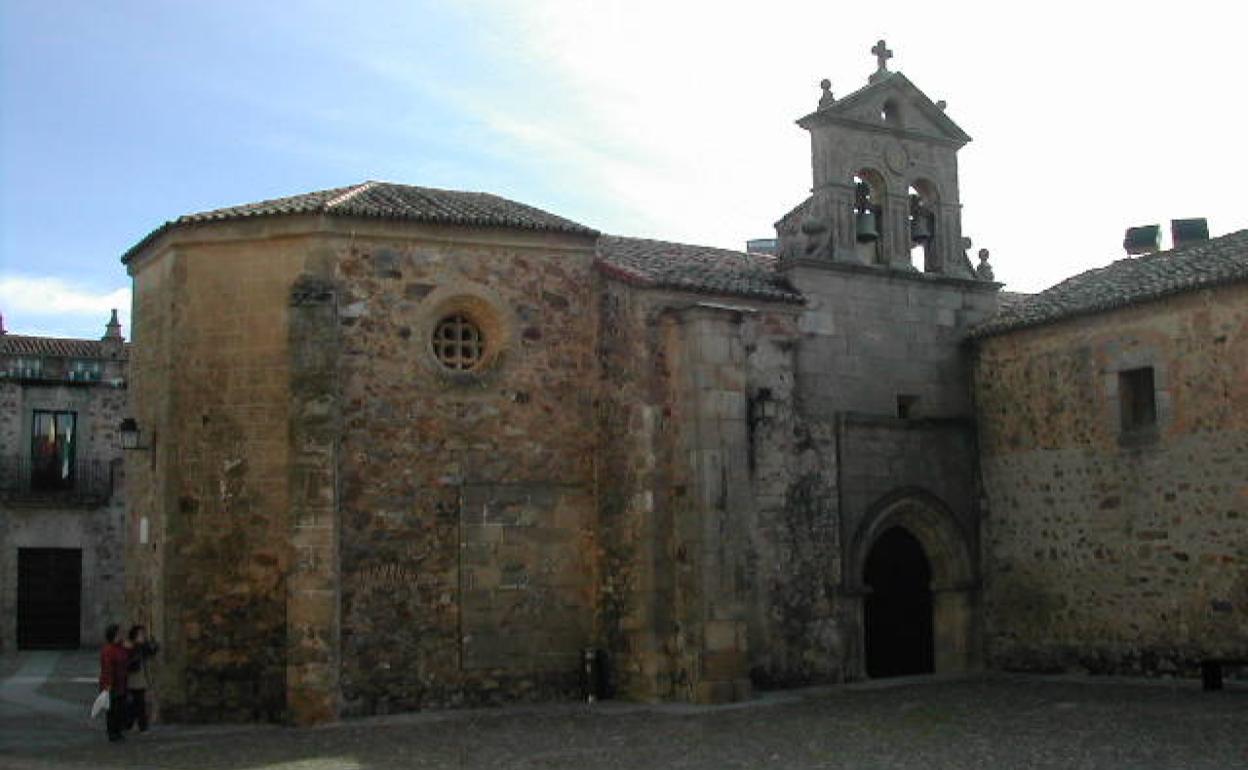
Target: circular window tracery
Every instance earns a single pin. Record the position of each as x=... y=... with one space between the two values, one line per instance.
x=458 y=343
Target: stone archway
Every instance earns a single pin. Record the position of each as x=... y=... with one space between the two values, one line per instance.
x=906 y=528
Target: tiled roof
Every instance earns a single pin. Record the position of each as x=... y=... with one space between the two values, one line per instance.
x=385 y=200
x=1008 y=300
x=700 y=269
x=1130 y=281
x=22 y=345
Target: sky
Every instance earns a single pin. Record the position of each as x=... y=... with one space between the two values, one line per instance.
x=671 y=120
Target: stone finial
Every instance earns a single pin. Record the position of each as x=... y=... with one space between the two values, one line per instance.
x=882 y=55
x=113 y=330
x=984 y=270
x=941 y=105
x=816 y=239
x=827 y=99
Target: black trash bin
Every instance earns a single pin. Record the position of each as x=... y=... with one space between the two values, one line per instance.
x=595 y=674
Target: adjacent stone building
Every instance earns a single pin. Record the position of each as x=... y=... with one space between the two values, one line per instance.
x=61 y=509
x=410 y=448
x=1113 y=415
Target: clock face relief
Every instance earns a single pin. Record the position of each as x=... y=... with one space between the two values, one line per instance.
x=896 y=158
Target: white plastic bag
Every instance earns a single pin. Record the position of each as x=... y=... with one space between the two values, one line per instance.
x=101 y=704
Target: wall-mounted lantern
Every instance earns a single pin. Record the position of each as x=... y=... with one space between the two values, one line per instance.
x=129 y=430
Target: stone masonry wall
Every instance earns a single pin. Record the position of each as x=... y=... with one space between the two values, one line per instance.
x=865 y=337
x=636 y=495
x=313 y=601
x=467 y=498
x=868 y=336
x=839 y=153
x=212 y=396
x=148 y=497
x=698 y=427
x=1109 y=552
x=794 y=558
x=643 y=471
x=334 y=525
x=712 y=540
x=96 y=526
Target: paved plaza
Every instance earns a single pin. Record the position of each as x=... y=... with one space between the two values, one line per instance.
x=993 y=721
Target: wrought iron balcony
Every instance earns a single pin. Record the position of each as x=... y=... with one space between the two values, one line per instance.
x=89 y=482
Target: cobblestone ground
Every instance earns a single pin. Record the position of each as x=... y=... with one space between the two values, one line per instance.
x=9 y=665
x=988 y=722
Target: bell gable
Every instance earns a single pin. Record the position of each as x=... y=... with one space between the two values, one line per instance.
x=891 y=104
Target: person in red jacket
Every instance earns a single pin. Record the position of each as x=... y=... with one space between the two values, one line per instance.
x=114 y=661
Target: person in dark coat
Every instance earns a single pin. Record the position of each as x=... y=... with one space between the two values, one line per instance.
x=114 y=673
x=141 y=650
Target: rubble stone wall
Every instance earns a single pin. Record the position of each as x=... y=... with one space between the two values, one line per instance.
x=467 y=498
x=340 y=525
x=1106 y=551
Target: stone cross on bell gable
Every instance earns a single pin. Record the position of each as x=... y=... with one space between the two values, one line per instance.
x=882 y=55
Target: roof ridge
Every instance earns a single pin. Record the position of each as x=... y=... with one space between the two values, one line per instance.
x=1127 y=262
x=686 y=244
x=1127 y=281
x=55 y=347
x=374 y=199
x=651 y=262
x=13 y=335
x=1184 y=248
x=352 y=192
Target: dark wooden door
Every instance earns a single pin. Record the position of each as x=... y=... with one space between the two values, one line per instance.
x=49 y=598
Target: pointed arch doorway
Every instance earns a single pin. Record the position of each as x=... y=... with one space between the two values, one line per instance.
x=912 y=564
x=897 y=608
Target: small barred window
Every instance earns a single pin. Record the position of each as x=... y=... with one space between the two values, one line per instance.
x=458 y=343
x=1137 y=399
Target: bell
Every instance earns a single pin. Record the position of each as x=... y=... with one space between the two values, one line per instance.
x=920 y=231
x=865 y=226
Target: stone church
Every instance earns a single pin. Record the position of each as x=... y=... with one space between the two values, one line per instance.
x=402 y=447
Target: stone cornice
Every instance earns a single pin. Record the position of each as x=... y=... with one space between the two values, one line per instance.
x=880 y=271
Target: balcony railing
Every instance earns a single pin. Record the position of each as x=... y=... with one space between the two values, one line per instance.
x=38 y=375
x=90 y=482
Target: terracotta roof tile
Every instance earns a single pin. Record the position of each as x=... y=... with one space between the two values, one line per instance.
x=1129 y=281
x=700 y=269
x=23 y=345
x=385 y=200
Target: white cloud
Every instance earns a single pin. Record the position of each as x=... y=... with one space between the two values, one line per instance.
x=674 y=118
x=678 y=115
x=54 y=307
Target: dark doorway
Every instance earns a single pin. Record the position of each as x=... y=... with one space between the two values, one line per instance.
x=49 y=598
x=897 y=612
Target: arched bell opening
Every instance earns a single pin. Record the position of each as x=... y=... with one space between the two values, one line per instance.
x=897 y=607
x=924 y=248
x=890 y=114
x=916 y=579
x=869 y=228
